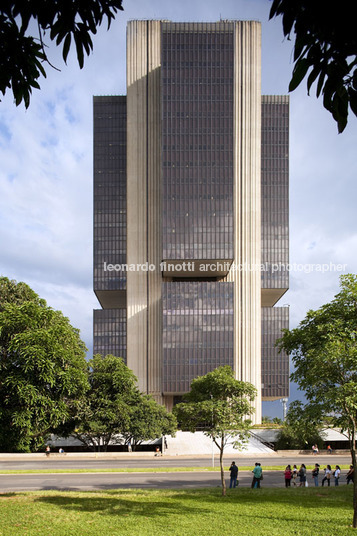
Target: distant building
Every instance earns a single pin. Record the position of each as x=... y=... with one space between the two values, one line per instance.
x=191 y=211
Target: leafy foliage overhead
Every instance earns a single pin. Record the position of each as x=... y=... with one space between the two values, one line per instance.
x=326 y=47
x=22 y=55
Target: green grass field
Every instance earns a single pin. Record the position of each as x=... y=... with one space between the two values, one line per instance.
x=149 y=470
x=264 y=512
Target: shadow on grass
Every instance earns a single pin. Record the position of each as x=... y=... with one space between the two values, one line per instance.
x=151 y=503
x=125 y=503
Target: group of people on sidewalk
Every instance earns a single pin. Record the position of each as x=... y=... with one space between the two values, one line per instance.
x=294 y=475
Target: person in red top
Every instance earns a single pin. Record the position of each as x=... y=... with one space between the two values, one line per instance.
x=288 y=475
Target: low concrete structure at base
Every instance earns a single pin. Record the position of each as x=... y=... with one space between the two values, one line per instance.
x=188 y=443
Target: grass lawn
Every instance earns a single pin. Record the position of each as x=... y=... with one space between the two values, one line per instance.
x=150 y=470
x=264 y=512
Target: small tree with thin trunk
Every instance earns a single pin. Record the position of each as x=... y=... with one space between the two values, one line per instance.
x=219 y=405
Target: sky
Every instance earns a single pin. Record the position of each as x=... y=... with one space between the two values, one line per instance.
x=46 y=170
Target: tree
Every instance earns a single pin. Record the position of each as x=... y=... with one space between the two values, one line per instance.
x=149 y=420
x=325 y=44
x=105 y=411
x=13 y=292
x=42 y=368
x=22 y=56
x=114 y=408
x=301 y=428
x=324 y=352
x=277 y=420
x=220 y=405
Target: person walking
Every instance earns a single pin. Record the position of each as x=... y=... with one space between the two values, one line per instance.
x=295 y=473
x=350 y=475
x=257 y=475
x=337 y=474
x=234 y=475
x=302 y=475
x=327 y=476
x=315 y=474
x=315 y=450
x=288 y=476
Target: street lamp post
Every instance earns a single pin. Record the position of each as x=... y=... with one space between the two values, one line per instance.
x=285 y=405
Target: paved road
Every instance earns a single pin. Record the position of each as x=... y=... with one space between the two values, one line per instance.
x=166 y=462
x=103 y=481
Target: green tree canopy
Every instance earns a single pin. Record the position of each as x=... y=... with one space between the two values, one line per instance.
x=13 y=292
x=22 y=55
x=114 y=408
x=324 y=351
x=326 y=47
x=219 y=405
x=42 y=368
x=301 y=428
x=105 y=411
x=149 y=420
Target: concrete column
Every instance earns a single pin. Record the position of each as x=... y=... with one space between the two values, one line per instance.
x=143 y=204
x=247 y=164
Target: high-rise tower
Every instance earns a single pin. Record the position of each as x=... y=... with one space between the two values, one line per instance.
x=191 y=213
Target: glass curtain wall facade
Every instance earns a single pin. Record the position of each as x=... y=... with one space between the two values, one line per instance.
x=109 y=332
x=275 y=192
x=109 y=233
x=275 y=366
x=197 y=331
x=197 y=193
x=173 y=182
x=275 y=242
x=109 y=191
x=197 y=141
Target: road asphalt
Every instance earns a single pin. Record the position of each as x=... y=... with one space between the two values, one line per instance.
x=187 y=480
x=126 y=460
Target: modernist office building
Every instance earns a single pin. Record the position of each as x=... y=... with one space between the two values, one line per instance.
x=191 y=211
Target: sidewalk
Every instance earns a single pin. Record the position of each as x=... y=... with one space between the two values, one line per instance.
x=291 y=454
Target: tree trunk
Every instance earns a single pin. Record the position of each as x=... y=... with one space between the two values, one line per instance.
x=353 y=455
x=354 y=524
x=221 y=449
x=352 y=441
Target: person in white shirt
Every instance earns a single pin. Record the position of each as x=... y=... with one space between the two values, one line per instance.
x=294 y=474
x=327 y=476
x=336 y=474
